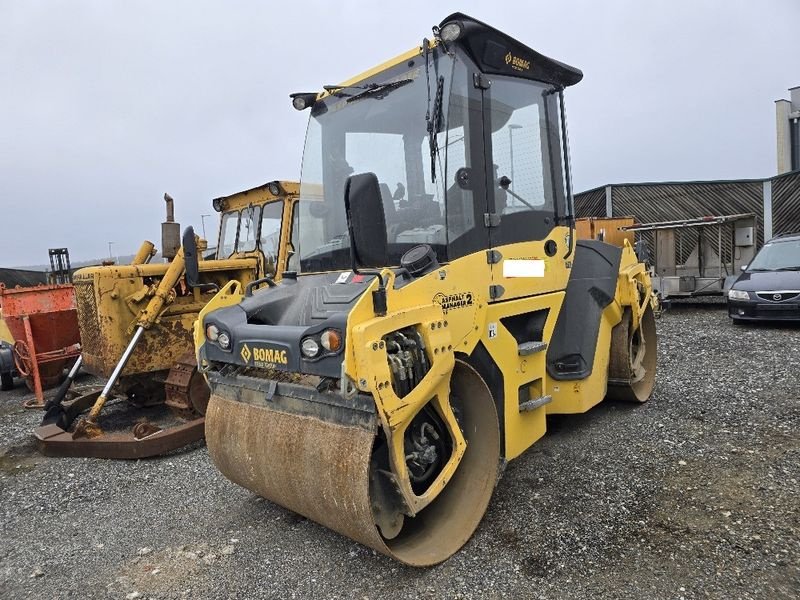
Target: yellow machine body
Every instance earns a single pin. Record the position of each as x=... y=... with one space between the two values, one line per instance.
x=5 y=334
x=381 y=395
x=112 y=300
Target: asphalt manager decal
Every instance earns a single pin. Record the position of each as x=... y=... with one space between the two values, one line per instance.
x=450 y=302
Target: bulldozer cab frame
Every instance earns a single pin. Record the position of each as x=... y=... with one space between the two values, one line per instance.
x=257 y=223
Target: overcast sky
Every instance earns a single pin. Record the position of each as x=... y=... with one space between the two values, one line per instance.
x=106 y=105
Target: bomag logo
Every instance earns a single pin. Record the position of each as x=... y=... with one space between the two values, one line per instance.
x=450 y=302
x=272 y=356
x=517 y=63
x=245 y=353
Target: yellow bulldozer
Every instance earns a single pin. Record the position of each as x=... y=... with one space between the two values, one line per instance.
x=136 y=321
x=442 y=306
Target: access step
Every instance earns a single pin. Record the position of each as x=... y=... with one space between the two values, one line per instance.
x=535 y=403
x=528 y=348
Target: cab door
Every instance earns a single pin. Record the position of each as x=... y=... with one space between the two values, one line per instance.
x=525 y=188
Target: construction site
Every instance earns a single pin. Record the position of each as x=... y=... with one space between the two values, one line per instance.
x=427 y=367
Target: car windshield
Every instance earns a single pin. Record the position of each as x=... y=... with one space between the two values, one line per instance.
x=777 y=256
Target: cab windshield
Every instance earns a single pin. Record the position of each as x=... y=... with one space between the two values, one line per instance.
x=249 y=228
x=382 y=131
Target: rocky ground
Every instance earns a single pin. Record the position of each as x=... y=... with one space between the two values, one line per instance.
x=692 y=495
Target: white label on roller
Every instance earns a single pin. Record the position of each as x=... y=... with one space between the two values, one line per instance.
x=523 y=268
x=492 y=330
x=343 y=277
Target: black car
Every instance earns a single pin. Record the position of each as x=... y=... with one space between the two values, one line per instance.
x=769 y=287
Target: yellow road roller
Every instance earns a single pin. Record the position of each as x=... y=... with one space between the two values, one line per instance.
x=438 y=305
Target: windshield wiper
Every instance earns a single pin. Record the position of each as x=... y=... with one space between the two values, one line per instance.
x=379 y=90
x=338 y=90
x=797 y=268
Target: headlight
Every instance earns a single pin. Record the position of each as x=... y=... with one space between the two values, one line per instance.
x=309 y=347
x=274 y=188
x=224 y=340
x=303 y=100
x=331 y=340
x=738 y=295
x=212 y=333
x=450 y=32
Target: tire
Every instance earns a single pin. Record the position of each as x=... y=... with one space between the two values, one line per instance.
x=6 y=381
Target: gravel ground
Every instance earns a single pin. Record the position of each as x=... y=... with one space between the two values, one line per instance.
x=692 y=495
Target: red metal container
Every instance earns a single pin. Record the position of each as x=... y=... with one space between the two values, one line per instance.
x=44 y=323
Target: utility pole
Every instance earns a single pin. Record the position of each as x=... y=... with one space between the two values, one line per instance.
x=203 y=221
x=511 y=129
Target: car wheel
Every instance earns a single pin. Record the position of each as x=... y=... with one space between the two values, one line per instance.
x=6 y=381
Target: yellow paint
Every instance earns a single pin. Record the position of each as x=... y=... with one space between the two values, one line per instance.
x=385 y=66
x=521 y=428
x=259 y=196
x=112 y=300
x=461 y=287
x=231 y=294
x=5 y=334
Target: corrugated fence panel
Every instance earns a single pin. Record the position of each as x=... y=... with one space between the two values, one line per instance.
x=651 y=202
x=786 y=203
x=591 y=203
x=675 y=201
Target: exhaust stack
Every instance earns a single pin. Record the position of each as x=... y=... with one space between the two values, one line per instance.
x=170 y=231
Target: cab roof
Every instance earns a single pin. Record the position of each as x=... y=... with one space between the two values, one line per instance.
x=260 y=194
x=493 y=51
x=500 y=54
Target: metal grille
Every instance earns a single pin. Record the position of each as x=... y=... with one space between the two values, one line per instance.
x=88 y=320
x=782 y=297
x=781 y=311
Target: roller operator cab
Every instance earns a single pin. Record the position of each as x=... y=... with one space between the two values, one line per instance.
x=438 y=307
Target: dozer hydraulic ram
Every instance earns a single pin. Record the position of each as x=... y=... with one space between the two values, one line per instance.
x=88 y=438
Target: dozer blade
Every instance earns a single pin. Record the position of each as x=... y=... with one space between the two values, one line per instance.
x=54 y=441
x=142 y=442
x=318 y=465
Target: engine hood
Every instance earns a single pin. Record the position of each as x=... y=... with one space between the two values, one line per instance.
x=267 y=328
x=767 y=281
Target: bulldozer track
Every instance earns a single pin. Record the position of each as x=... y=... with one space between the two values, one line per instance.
x=186 y=391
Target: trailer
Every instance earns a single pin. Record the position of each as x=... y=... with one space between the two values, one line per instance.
x=695 y=257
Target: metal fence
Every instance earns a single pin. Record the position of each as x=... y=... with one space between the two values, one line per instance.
x=775 y=202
